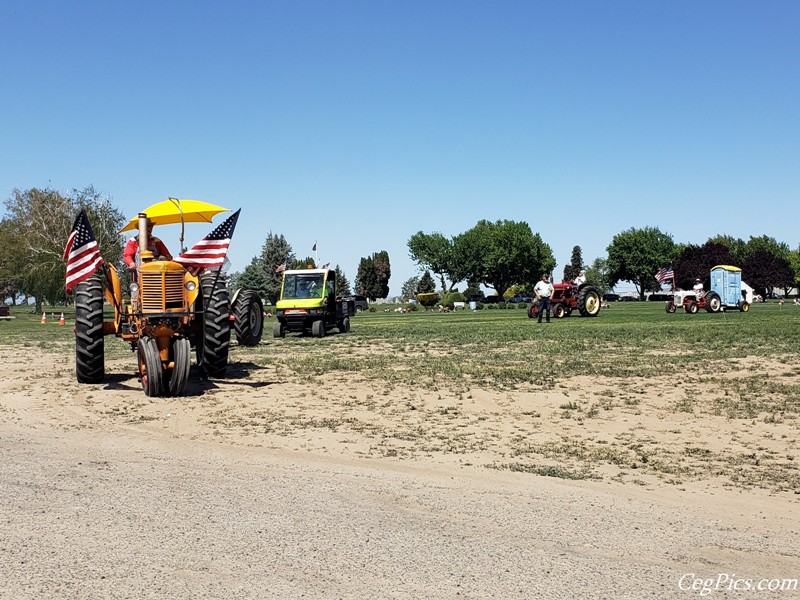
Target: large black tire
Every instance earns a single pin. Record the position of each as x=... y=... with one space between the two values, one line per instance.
x=713 y=302
x=181 y=358
x=690 y=306
x=588 y=301
x=248 y=312
x=215 y=338
x=150 y=371
x=278 y=330
x=559 y=312
x=89 y=348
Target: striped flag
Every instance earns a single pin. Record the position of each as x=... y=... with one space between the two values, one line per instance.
x=314 y=249
x=210 y=252
x=81 y=252
x=663 y=274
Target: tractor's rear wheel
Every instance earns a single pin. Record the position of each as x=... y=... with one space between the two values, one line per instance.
x=713 y=302
x=150 y=372
x=690 y=306
x=559 y=311
x=318 y=328
x=588 y=301
x=89 y=347
x=212 y=349
x=181 y=358
x=248 y=312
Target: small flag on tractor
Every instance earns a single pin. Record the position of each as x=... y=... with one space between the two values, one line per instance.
x=210 y=252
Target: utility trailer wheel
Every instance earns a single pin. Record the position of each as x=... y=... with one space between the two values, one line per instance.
x=744 y=306
x=89 y=347
x=248 y=311
x=150 y=372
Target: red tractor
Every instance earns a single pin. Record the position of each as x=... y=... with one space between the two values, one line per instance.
x=568 y=297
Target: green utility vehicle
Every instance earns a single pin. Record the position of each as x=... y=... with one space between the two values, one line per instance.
x=308 y=304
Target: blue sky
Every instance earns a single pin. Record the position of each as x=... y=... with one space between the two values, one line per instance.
x=357 y=124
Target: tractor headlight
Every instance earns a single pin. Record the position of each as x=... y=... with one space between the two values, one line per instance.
x=191 y=286
x=134 y=288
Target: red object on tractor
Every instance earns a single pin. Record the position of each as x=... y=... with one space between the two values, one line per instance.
x=568 y=297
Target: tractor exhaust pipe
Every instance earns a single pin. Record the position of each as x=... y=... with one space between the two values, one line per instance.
x=144 y=252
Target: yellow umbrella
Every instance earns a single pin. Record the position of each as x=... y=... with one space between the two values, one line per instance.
x=173 y=210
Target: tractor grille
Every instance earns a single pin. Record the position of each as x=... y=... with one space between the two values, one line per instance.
x=162 y=292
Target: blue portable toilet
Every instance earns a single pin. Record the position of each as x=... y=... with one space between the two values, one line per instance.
x=726 y=282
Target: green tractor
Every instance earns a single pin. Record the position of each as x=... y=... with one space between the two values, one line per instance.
x=308 y=304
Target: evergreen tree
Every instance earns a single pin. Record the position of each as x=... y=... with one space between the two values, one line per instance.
x=575 y=265
x=342 y=283
x=276 y=252
x=426 y=284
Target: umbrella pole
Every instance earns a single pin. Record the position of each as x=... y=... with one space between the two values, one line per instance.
x=177 y=203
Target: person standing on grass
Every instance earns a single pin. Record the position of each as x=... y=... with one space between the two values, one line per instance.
x=543 y=291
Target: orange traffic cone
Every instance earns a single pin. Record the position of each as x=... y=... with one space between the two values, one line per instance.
x=44 y=318
x=62 y=321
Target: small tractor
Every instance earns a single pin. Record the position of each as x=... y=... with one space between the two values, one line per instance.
x=170 y=311
x=726 y=292
x=308 y=304
x=568 y=297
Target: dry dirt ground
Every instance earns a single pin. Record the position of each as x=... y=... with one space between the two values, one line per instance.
x=264 y=485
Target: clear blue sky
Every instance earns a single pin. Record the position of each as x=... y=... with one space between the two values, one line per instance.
x=357 y=124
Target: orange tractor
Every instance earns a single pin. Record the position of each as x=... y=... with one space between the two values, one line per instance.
x=170 y=311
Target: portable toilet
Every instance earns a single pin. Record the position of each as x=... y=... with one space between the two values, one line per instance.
x=726 y=281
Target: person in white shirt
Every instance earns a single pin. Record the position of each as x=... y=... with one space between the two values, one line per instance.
x=580 y=279
x=543 y=291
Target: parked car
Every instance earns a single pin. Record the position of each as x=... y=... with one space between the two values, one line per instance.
x=610 y=297
x=518 y=298
x=360 y=303
x=477 y=298
x=494 y=299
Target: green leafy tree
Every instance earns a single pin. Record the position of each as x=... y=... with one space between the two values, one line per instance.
x=597 y=275
x=434 y=252
x=636 y=254
x=575 y=265
x=502 y=253
x=426 y=284
x=409 y=288
x=342 y=283
x=794 y=262
x=43 y=219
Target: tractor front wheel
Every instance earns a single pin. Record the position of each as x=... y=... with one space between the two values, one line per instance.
x=248 y=311
x=690 y=306
x=533 y=311
x=89 y=348
x=558 y=310
x=212 y=349
x=670 y=308
x=149 y=366
x=181 y=358
x=588 y=301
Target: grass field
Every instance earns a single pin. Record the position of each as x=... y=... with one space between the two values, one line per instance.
x=475 y=384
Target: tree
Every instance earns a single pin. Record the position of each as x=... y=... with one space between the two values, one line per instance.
x=426 y=284
x=636 y=254
x=597 y=275
x=794 y=261
x=43 y=219
x=372 y=278
x=409 y=288
x=736 y=246
x=696 y=262
x=342 y=283
x=275 y=252
x=575 y=266
x=500 y=254
x=434 y=252
x=765 y=271
x=254 y=277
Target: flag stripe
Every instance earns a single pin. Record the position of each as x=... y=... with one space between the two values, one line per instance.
x=210 y=252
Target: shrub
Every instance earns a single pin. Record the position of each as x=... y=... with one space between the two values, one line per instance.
x=450 y=298
x=428 y=299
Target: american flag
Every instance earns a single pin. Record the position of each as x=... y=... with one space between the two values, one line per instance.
x=81 y=252
x=663 y=274
x=210 y=252
x=314 y=249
